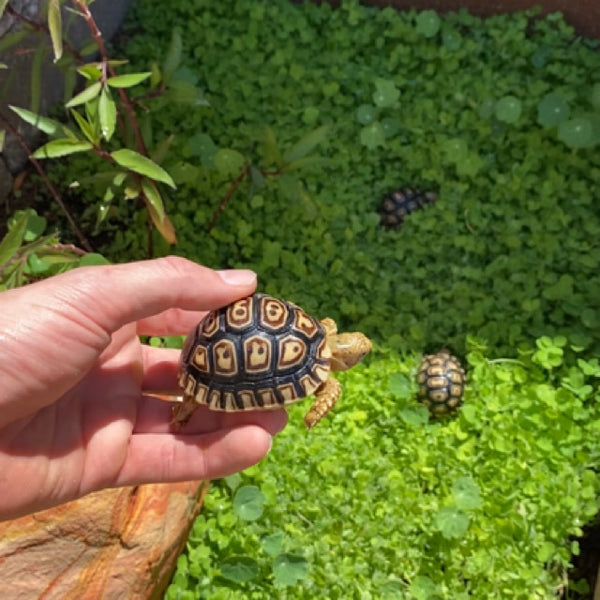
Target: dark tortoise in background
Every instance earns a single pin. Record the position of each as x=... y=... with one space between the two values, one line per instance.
x=402 y=202
x=441 y=381
x=261 y=353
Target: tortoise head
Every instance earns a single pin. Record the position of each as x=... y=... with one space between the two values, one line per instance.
x=348 y=349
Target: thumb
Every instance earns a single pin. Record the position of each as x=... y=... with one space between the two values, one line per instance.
x=114 y=295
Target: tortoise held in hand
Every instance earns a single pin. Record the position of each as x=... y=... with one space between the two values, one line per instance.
x=261 y=353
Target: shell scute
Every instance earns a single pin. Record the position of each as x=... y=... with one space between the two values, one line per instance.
x=257 y=354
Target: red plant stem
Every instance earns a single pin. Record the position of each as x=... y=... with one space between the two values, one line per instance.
x=227 y=197
x=232 y=188
x=68 y=248
x=53 y=191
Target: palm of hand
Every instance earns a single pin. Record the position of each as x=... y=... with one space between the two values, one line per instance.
x=90 y=420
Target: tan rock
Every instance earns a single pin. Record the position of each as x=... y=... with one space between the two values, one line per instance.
x=113 y=544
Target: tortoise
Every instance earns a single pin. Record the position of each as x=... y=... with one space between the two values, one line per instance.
x=441 y=380
x=401 y=202
x=262 y=353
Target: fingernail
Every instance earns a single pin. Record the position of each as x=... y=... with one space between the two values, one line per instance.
x=238 y=276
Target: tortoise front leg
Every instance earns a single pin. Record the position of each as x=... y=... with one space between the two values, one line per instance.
x=329 y=325
x=325 y=398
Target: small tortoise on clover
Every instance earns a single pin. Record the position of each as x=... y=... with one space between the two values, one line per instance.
x=401 y=202
x=261 y=353
x=441 y=380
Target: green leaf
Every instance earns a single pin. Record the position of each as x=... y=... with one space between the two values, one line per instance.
x=86 y=127
x=466 y=493
x=12 y=241
x=160 y=152
x=91 y=114
x=233 y=481
x=306 y=144
x=2 y=138
x=422 y=588
x=273 y=544
x=269 y=150
x=93 y=259
x=289 y=569
x=546 y=551
x=156 y=209
x=3 y=4
x=271 y=255
x=306 y=162
x=202 y=146
x=156 y=75
x=186 y=93
x=55 y=27
x=372 y=136
x=141 y=164
x=229 y=162
x=12 y=39
x=153 y=196
x=561 y=290
x=400 y=385
x=36 y=225
x=258 y=179
x=61 y=147
x=89 y=93
x=239 y=569
x=248 y=503
x=107 y=114
x=173 y=56
x=386 y=93
x=129 y=80
x=89 y=49
x=451 y=522
x=70 y=79
x=577 y=132
x=415 y=416
x=428 y=23
x=91 y=71
x=37 y=265
x=48 y=126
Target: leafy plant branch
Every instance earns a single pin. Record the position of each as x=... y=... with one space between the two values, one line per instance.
x=42 y=29
x=107 y=66
x=51 y=188
x=28 y=253
x=96 y=115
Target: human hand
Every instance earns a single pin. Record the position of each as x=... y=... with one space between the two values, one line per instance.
x=76 y=407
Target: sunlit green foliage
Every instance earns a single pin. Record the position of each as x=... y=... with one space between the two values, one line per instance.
x=374 y=505
x=29 y=252
x=507 y=252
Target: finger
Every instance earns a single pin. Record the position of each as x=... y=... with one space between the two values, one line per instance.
x=155 y=415
x=167 y=458
x=173 y=321
x=114 y=295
